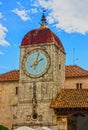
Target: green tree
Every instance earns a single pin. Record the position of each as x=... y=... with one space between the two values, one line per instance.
x=3 y=127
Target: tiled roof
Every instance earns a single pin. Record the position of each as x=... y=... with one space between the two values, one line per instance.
x=41 y=36
x=70 y=72
x=71 y=98
x=10 y=76
x=75 y=71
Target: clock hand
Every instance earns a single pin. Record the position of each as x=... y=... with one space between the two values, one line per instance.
x=41 y=59
x=37 y=56
x=34 y=64
x=36 y=61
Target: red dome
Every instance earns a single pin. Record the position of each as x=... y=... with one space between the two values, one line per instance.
x=41 y=36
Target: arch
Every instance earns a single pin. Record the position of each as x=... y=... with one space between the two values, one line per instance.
x=78 y=121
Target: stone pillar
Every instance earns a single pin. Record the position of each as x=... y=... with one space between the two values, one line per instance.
x=62 y=122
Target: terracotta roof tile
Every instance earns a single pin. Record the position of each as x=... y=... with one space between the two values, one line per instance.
x=75 y=71
x=10 y=76
x=71 y=98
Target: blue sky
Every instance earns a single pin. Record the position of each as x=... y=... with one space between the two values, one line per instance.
x=68 y=19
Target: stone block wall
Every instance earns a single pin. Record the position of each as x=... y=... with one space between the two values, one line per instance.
x=7 y=95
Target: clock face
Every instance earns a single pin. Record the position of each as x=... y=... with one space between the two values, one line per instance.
x=36 y=63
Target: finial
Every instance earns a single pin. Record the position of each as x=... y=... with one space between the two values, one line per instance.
x=43 y=19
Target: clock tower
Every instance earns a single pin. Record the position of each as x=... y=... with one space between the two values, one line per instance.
x=42 y=76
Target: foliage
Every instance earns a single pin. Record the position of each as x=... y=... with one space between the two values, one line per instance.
x=3 y=127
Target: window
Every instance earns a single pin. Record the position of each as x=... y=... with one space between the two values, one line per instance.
x=79 y=85
x=59 y=66
x=16 y=90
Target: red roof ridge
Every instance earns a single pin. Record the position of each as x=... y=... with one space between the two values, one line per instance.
x=75 y=71
x=76 y=66
x=9 y=72
x=9 y=76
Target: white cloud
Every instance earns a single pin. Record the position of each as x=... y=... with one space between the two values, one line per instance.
x=3 y=31
x=69 y=15
x=20 y=5
x=23 y=14
x=33 y=10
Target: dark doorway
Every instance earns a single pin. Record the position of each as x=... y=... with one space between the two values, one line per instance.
x=78 y=122
x=82 y=122
x=72 y=122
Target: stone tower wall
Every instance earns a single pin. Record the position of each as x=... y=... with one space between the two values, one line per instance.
x=47 y=86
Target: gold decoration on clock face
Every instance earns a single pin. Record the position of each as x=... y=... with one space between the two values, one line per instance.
x=36 y=63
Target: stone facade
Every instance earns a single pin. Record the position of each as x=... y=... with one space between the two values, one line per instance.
x=8 y=99
x=72 y=82
x=47 y=87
